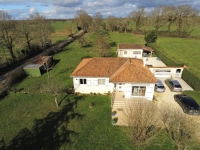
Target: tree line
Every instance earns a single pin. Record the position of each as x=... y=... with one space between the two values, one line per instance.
x=33 y=34
x=183 y=17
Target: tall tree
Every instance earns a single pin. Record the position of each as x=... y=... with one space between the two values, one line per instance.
x=138 y=17
x=169 y=13
x=42 y=29
x=101 y=42
x=25 y=31
x=83 y=20
x=111 y=23
x=185 y=19
x=157 y=17
x=97 y=21
x=7 y=32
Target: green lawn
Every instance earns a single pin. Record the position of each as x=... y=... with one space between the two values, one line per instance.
x=185 y=51
x=32 y=120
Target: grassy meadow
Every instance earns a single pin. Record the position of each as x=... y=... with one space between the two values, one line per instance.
x=27 y=117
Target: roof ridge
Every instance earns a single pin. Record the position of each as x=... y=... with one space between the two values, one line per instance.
x=120 y=67
x=83 y=65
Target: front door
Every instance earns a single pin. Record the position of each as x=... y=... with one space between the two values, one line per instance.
x=120 y=87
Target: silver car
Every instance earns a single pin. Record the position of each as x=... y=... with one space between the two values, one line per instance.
x=159 y=87
x=174 y=85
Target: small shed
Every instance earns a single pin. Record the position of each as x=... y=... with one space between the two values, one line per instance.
x=33 y=69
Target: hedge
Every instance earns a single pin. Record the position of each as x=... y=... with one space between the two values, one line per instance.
x=187 y=75
x=191 y=79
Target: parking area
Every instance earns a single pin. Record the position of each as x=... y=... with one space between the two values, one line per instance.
x=167 y=97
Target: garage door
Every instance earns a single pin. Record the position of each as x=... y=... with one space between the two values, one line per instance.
x=163 y=73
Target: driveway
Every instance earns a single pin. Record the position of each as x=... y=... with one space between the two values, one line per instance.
x=167 y=97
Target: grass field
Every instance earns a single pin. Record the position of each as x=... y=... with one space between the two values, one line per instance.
x=185 y=51
x=26 y=117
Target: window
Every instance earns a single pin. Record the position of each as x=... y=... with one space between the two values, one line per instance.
x=101 y=81
x=83 y=81
x=136 y=52
x=125 y=52
x=138 y=91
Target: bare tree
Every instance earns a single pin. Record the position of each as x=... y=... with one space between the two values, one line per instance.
x=83 y=20
x=111 y=23
x=138 y=17
x=82 y=41
x=7 y=32
x=25 y=31
x=101 y=43
x=185 y=19
x=143 y=120
x=157 y=17
x=169 y=13
x=97 y=21
x=42 y=29
x=123 y=25
x=180 y=127
x=51 y=86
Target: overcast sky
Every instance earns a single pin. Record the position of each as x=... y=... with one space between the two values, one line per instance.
x=20 y=9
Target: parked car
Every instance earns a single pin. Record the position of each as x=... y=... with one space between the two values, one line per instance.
x=188 y=104
x=174 y=85
x=159 y=87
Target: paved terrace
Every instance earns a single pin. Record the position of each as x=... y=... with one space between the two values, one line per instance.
x=155 y=62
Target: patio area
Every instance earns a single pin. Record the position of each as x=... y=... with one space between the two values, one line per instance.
x=120 y=104
x=155 y=62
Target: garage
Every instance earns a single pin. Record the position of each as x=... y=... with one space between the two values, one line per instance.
x=163 y=73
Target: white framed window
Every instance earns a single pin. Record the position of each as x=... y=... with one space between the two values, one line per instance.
x=83 y=81
x=125 y=52
x=101 y=81
x=136 y=52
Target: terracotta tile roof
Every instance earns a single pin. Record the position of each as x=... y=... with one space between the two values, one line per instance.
x=147 y=48
x=130 y=46
x=134 y=46
x=133 y=71
x=98 y=67
x=118 y=69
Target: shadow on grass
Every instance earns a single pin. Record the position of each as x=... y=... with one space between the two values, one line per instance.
x=49 y=133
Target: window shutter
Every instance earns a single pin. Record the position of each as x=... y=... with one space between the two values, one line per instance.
x=88 y=82
x=95 y=82
x=77 y=81
x=107 y=82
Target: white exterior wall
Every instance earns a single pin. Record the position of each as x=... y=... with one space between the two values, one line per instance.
x=173 y=73
x=92 y=86
x=130 y=53
x=148 y=93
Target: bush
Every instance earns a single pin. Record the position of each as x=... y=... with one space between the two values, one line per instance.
x=151 y=37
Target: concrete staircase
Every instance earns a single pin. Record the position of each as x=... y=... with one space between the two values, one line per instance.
x=119 y=104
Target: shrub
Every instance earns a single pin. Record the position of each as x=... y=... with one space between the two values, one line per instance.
x=151 y=37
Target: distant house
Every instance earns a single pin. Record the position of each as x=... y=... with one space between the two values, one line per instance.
x=103 y=75
x=134 y=51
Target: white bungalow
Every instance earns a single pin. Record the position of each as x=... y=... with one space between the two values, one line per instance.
x=103 y=75
x=134 y=51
